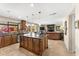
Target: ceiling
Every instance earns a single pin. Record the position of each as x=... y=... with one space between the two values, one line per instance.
x=40 y=12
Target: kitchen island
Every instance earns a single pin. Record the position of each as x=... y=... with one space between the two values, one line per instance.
x=34 y=42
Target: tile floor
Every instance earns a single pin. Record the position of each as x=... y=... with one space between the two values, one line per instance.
x=55 y=48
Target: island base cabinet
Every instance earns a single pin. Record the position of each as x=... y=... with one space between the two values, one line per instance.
x=22 y=42
x=42 y=48
x=26 y=43
x=35 y=45
x=30 y=45
x=45 y=42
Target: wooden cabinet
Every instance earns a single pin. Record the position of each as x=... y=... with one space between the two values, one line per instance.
x=25 y=41
x=2 y=42
x=14 y=39
x=54 y=35
x=36 y=45
x=29 y=44
x=42 y=48
x=7 y=40
x=22 y=41
x=46 y=42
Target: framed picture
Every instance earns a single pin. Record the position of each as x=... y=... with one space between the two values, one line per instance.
x=65 y=27
x=57 y=28
x=77 y=24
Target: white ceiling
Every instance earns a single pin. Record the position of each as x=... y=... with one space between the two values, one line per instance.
x=25 y=11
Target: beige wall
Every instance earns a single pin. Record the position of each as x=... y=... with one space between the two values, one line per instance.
x=69 y=39
x=66 y=37
x=5 y=19
x=77 y=30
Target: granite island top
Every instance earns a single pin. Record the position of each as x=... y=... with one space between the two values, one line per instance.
x=33 y=35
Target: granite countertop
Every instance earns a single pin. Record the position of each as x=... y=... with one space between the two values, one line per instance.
x=6 y=33
x=54 y=32
x=33 y=35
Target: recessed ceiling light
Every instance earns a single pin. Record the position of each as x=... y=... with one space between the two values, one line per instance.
x=39 y=12
x=32 y=5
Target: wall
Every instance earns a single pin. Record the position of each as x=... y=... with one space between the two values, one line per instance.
x=66 y=37
x=69 y=39
x=6 y=19
x=73 y=32
x=77 y=30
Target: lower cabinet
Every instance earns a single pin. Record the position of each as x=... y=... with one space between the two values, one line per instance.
x=45 y=42
x=42 y=48
x=21 y=42
x=54 y=35
x=14 y=39
x=36 y=46
x=30 y=44
x=2 y=42
x=7 y=40
x=25 y=42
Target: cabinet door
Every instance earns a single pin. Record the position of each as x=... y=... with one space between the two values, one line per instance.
x=26 y=42
x=21 y=41
x=14 y=39
x=7 y=40
x=56 y=36
x=36 y=46
x=42 y=45
x=45 y=42
x=50 y=36
x=1 y=42
x=30 y=44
